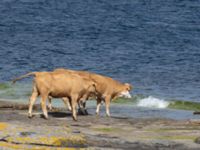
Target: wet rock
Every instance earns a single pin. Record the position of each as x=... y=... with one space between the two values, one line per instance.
x=13 y=135
x=60 y=131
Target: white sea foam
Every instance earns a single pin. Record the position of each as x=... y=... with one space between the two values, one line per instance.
x=153 y=102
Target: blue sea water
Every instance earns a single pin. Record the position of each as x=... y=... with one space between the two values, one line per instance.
x=152 y=44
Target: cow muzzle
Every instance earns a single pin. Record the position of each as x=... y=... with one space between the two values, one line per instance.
x=125 y=94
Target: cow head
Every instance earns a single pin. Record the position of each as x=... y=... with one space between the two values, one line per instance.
x=125 y=92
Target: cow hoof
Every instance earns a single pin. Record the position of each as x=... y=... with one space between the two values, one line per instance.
x=108 y=116
x=82 y=111
x=75 y=119
x=44 y=117
x=30 y=117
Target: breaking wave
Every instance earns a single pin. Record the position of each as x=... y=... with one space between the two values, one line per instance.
x=153 y=102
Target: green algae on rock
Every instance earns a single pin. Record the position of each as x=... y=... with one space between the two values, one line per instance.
x=133 y=100
x=106 y=129
x=4 y=86
x=185 y=105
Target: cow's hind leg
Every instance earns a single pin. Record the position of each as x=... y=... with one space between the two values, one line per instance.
x=98 y=106
x=50 y=104
x=67 y=103
x=43 y=104
x=32 y=100
x=82 y=107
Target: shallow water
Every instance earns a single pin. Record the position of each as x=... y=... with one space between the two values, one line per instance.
x=132 y=110
x=143 y=112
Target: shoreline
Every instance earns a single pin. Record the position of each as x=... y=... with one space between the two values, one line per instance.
x=92 y=132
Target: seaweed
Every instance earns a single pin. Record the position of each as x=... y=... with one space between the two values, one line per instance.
x=184 y=105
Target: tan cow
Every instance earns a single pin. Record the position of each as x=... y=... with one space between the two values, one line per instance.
x=82 y=102
x=58 y=85
x=106 y=87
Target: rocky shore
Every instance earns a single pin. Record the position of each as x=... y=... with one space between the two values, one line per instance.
x=17 y=131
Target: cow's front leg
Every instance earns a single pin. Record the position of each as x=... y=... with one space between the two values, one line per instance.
x=74 y=101
x=107 y=101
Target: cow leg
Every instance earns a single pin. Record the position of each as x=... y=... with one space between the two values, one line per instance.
x=43 y=104
x=49 y=104
x=74 y=103
x=98 y=106
x=67 y=103
x=82 y=107
x=32 y=100
x=107 y=100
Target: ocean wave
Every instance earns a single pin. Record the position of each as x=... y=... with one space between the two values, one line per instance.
x=153 y=102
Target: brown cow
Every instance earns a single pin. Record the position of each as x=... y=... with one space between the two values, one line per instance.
x=58 y=85
x=106 y=87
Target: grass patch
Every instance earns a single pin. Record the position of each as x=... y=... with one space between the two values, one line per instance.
x=185 y=105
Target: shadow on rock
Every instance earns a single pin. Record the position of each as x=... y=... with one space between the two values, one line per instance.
x=60 y=114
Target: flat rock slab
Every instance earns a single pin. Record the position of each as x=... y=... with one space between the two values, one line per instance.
x=17 y=131
x=31 y=136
